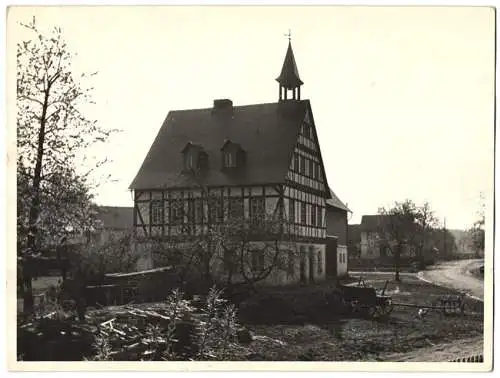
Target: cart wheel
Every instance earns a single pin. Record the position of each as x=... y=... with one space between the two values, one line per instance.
x=381 y=311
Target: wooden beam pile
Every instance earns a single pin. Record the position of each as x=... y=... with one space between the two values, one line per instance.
x=127 y=333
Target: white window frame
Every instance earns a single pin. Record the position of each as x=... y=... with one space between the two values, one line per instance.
x=229 y=160
x=157 y=213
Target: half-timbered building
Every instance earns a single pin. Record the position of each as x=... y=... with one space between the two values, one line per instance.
x=208 y=166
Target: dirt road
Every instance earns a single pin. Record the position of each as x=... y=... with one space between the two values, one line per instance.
x=456 y=275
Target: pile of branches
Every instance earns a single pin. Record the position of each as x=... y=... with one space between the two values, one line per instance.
x=173 y=330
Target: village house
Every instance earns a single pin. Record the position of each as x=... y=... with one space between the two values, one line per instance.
x=113 y=223
x=208 y=166
x=374 y=245
x=337 y=236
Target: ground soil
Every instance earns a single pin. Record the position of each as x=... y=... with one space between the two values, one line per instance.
x=402 y=337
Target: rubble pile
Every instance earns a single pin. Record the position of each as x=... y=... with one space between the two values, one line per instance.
x=134 y=334
x=179 y=330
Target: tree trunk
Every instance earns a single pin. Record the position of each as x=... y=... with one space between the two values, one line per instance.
x=35 y=208
x=397 y=263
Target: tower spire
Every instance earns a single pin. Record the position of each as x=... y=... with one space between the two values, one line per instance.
x=289 y=79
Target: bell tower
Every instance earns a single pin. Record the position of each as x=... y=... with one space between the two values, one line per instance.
x=289 y=79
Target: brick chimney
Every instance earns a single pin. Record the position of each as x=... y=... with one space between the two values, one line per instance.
x=223 y=105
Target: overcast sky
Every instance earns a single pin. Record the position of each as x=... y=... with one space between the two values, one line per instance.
x=402 y=97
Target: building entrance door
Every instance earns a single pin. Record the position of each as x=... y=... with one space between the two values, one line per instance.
x=311 y=265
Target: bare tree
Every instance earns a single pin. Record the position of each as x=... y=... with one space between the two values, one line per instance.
x=52 y=197
x=222 y=245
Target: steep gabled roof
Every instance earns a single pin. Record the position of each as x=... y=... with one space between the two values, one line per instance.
x=372 y=223
x=335 y=201
x=289 y=76
x=115 y=217
x=266 y=132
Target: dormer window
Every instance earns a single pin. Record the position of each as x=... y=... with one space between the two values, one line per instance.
x=233 y=155
x=195 y=158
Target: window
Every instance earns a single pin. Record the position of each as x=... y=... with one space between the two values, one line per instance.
x=319 y=264
x=303 y=213
x=191 y=211
x=308 y=131
x=296 y=162
x=319 y=218
x=258 y=260
x=305 y=129
x=203 y=161
x=291 y=210
x=189 y=161
x=257 y=208
x=229 y=160
x=177 y=212
x=156 y=212
x=302 y=168
x=313 y=215
x=199 y=211
x=215 y=210
x=232 y=155
x=236 y=210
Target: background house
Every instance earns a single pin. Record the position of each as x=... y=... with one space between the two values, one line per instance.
x=373 y=244
x=337 y=234
x=113 y=223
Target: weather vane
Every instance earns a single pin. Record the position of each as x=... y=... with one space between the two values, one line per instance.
x=289 y=35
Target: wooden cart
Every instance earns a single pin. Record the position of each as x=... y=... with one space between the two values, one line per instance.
x=366 y=300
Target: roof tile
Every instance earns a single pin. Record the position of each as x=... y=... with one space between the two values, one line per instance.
x=266 y=132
